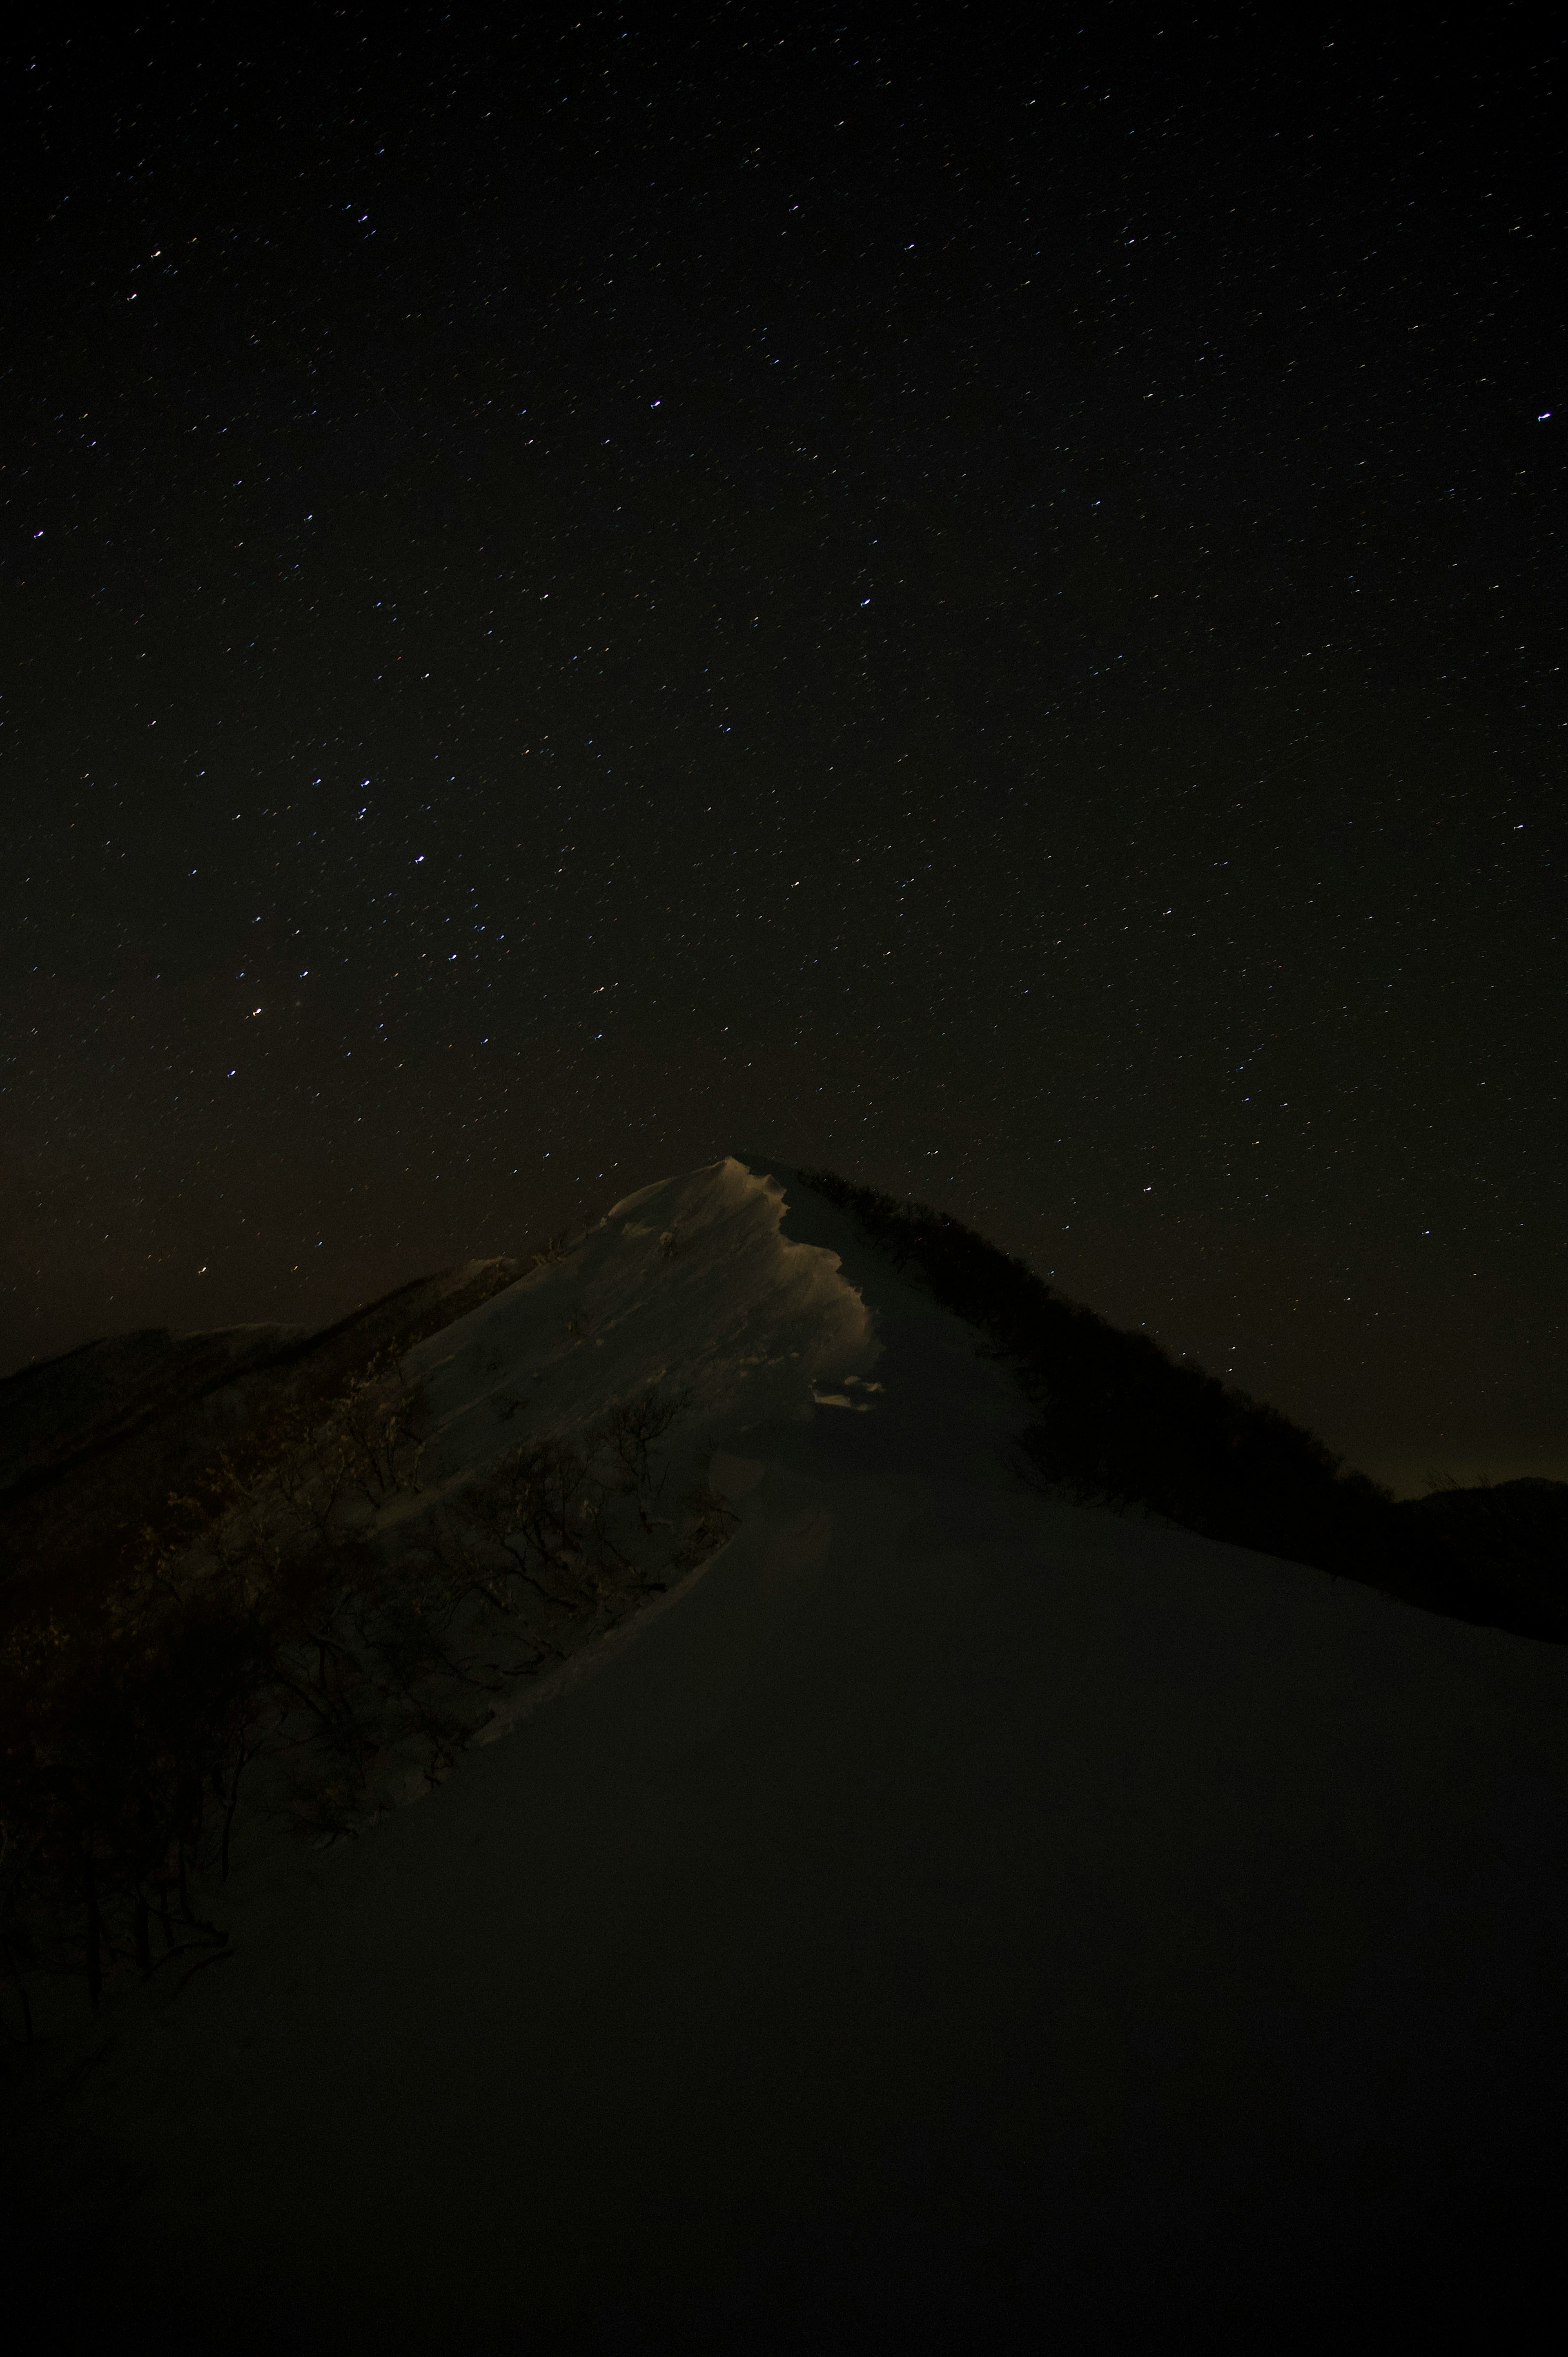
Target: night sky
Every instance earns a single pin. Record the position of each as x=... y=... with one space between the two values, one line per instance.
x=983 y=610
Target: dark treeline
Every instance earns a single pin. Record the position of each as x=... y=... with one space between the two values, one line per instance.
x=1123 y=1425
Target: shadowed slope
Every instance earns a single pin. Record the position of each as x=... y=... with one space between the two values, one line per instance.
x=1122 y=1424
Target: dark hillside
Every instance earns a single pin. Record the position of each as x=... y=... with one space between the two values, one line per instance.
x=1509 y=1535
x=1123 y=1425
x=96 y=1443
x=58 y=1415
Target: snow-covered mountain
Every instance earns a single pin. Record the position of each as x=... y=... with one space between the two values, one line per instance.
x=942 y=1918
x=689 y=1284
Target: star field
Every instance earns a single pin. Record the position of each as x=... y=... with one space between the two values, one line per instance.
x=977 y=609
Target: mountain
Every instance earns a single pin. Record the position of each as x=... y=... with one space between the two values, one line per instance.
x=1510 y=1538
x=872 y=1902
x=66 y=1412
x=92 y=1444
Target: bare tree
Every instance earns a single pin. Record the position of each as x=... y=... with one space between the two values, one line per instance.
x=278 y=1627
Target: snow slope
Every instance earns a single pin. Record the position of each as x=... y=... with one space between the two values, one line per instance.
x=689 y=1284
x=953 y=1921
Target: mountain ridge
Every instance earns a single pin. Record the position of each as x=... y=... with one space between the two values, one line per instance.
x=723 y=1858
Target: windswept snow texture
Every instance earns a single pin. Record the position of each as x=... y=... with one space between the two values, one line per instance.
x=953 y=1921
x=689 y=1286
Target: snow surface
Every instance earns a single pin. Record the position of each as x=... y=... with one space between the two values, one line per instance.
x=687 y=1285
x=954 y=1920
